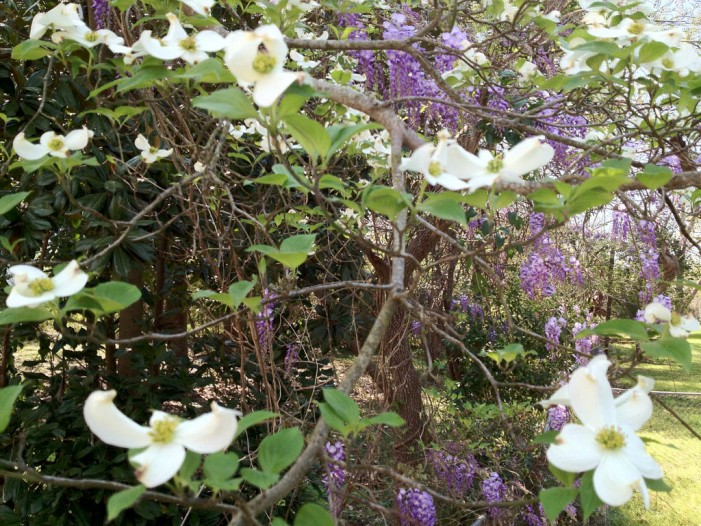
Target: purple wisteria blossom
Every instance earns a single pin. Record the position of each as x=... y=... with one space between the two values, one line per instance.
x=456 y=473
x=494 y=490
x=336 y=475
x=620 y=227
x=407 y=78
x=454 y=39
x=530 y=517
x=558 y=416
x=553 y=329
x=265 y=327
x=583 y=346
x=365 y=57
x=415 y=327
x=291 y=357
x=546 y=266
x=101 y=13
x=416 y=508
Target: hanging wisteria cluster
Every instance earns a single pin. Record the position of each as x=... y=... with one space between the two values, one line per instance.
x=457 y=474
x=335 y=475
x=416 y=508
x=494 y=490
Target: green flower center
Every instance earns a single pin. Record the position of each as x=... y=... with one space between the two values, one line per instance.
x=264 y=63
x=675 y=319
x=162 y=432
x=668 y=63
x=40 y=285
x=495 y=165
x=152 y=149
x=636 y=28
x=92 y=36
x=435 y=169
x=611 y=438
x=56 y=144
x=188 y=44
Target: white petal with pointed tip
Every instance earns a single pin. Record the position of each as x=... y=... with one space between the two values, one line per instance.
x=158 y=463
x=112 y=426
x=615 y=478
x=633 y=408
x=655 y=312
x=271 y=86
x=70 y=280
x=209 y=41
x=590 y=391
x=210 y=432
x=575 y=450
x=528 y=155
x=202 y=7
x=78 y=139
x=142 y=143
x=28 y=150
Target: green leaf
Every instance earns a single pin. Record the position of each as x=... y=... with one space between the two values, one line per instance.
x=252 y=419
x=115 y=296
x=544 y=195
x=590 y=500
x=31 y=50
x=478 y=198
x=230 y=103
x=220 y=466
x=277 y=521
x=313 y=515
x=658 y=485
x=390 y=418
x=599 y=47
x=144 y=77
x=24 y=315
x=208 y=71
x=272 y=179
x=9 y=202
x=8 y=396
x=564 y=477
x=190 y=465
x=633 y=330
x=239 y=290
x=554 y=500
x=311 y=135
x=651 y=51
x=259 y=479
x=385 y=200
x=503 y=200
x=342 y=404
x=122 y=500
x=546 y=438
x=303 y=243
x=508 y=353
x=678 y=349
x=333 y=419
x=279 y=450
x=654 y=176
x=445 y=205
x=214 y=296
x=340 y=134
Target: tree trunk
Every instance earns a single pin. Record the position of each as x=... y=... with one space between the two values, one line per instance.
x=130 y=320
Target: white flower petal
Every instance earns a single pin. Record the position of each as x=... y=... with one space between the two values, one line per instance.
x=590 y=391
x=202 y=7
x=26 y=271
x=157 y=49
x=70 y=280
x=158 y=463
x=142 y=143
x=636 y=454
x=655 y=312
x=209 y=41
x=633 y=408
x=210 y=432
x=614 y=478
x=448 y=181
x=27 y=150
x=240 y=51
x=78 y=139
x=690 y=324
x=112 y=426
x=575 y=449
x=419 y=160
x=271 y=86
x=528 y=155
x=176 y=32
x=462 y=163
x=559 y=397
x=15 y=299
x=194 y=57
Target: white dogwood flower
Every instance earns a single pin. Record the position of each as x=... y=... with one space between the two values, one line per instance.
x=32 y=287
x=679 y=326
x=178 y=44
x=442 y=164
x=86 y=37
x=150 y=154
x=165 y=438
x=258 y=57
x=51 y=143
x=485 y=170
x=63 y=16
x=605 y=441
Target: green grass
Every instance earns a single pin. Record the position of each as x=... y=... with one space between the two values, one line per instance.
x=674 y=448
